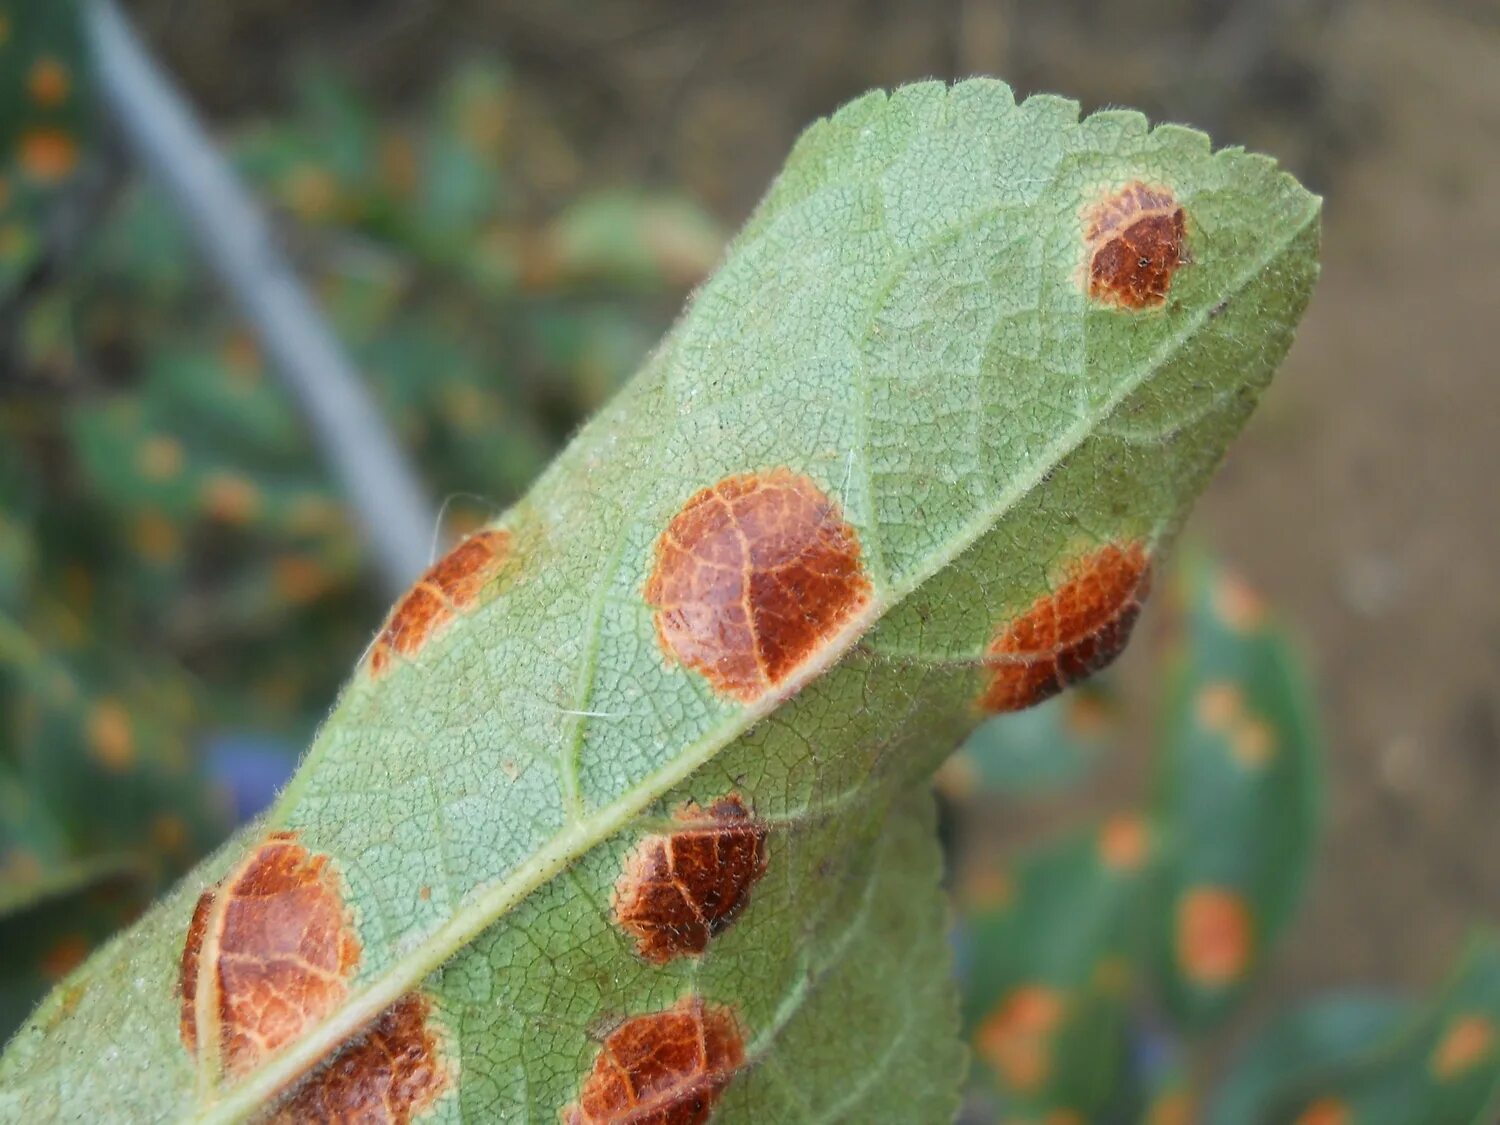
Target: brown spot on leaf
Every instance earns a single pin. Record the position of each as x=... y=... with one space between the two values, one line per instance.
x=1215 y=938
x=1071 y=633
x=681 y=889
x=48 y=155
x=281 y=950
x=1468 y=1041
x=48 y=83
x=1324 y=1111
x=111 y=735
x=387 y=1074
x=1135 y=243
x=450 y=587
x=1016 y=1038
x=666 y=1068
x=1124 y=842
x=752 y=578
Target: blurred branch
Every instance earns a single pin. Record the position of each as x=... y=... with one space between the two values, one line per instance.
x=238 y=244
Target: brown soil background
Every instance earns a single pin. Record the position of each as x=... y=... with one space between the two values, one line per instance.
x=1362 y=499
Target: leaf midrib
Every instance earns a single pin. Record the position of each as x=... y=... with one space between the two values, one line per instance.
x=577 y=838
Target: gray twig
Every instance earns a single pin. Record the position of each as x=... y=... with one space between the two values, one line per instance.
x=237 y=241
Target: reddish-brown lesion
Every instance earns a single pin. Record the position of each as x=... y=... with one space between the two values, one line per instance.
x=282 y=949
x=665 y=1068
x=386 y=1076
x=449 y=588
x=752 y=578
x=1069 y=634
x=1136 y=242
x=680 y=889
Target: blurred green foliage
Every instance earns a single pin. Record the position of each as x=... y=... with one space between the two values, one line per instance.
x=1097 y=963
x=175 y=564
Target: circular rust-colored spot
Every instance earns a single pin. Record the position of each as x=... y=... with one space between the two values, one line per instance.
x=1124 y=842
x=282 y=950
x=1214 y=936
x=679 y=890
x=450 y=587
x=48 y=83
x=111 y=736
x=1016 y=1038
x=48 y=155
x=1175 y=1108
x=1135 y=244
x=160 y=458
x=1237 y=605
x=1220 y=705
x=665 y=1068
x=1325 y=1111
x=1069 y=634
x=753 y=578
x=1253 y=743
x=230 y=498
x=388 y=1074
x=1468 y=1041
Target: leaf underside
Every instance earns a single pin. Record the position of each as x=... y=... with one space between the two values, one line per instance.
x=907 y=329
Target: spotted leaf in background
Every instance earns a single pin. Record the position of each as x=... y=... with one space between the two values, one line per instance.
x=894 y=449
x=43 y=123
x=1303 y=1048
x=1052 y=962
x=1443 y=1065
x=1238 y=797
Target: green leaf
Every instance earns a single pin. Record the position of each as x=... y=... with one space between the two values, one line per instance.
x=1445 y=1066
x=906 y=395
x=43 y=119
x=1302 y=1046
x=1047 y=997
x=1036 y=751
x=1239 y=798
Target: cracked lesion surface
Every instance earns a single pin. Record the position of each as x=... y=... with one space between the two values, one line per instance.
x=450 y=587
x=680 y=889
x=1069 y=634
x=1135 y=240
x=752 y=577
x=281 y=948
x=664 y=1068
x=389 y=1074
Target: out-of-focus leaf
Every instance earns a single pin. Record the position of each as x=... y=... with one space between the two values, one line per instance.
x=1238 y=801
x=43 y=122
x=1050 y=970
x=1444 y=1069
x=1298 y=1048
x=628 y=239
x=1030 y=752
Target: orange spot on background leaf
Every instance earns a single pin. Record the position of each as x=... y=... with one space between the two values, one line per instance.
x=1135 y=244
x=111 y=735
x=1468 y=1041
x=1215 y=938
x=752 y=578
x=47 y=155
x=282 y=948
x=48 y=83
x=1325 y=1111
x=387 y=1074
x=1071 y=633
x=679 y=890
x=1124 y=842
x=665 y=1068
x=450 y=587
x=1016 y=1038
